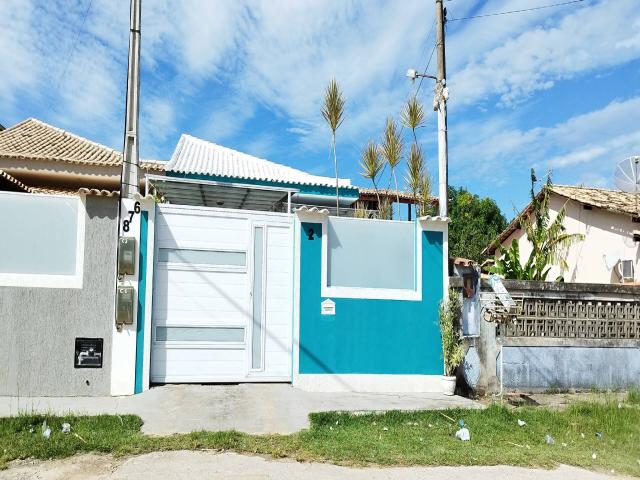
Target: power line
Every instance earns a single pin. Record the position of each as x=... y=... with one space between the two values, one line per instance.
x=73 y=45
x=515 y=11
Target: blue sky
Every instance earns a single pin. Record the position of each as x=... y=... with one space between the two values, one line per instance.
x=557 y=88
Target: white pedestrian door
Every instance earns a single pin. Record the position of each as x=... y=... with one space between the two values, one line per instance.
x=223 y=296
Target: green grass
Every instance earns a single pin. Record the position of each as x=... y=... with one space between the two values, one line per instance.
x=633 y=397
x=392 y=438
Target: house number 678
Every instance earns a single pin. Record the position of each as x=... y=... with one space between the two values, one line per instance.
x=127 y=221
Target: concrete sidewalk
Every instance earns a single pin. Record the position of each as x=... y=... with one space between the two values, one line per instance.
x=250 y=408
x=183 y=465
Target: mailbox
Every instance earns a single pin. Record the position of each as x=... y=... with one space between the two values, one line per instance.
x=124 y=305
x=127 y=256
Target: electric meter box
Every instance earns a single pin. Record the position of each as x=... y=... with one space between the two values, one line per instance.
x=127 y=256
x=124 y=305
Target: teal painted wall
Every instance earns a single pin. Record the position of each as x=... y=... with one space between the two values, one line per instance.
x=370 y=336
x=142 y=291
x=310 y=189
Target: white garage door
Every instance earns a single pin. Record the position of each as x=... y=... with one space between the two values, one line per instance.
x=223 y=295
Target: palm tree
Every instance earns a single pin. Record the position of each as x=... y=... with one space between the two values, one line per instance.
x=392 y=150
x=549 y=240
x=413 y=116
x=372 y=165
x=332 y=111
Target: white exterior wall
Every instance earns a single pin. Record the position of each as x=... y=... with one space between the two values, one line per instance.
x=608 y=238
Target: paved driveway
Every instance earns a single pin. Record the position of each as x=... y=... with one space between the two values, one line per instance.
x=250 y=408
x=183 y=465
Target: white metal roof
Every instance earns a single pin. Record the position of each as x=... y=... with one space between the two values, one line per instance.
x=196 y=156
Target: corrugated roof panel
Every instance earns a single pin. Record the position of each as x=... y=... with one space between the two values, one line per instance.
x=195 y=156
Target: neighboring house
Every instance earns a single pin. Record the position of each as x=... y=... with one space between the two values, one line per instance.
x=369 y=200
x=610 y=223
x=46 y=158
x=239 y=274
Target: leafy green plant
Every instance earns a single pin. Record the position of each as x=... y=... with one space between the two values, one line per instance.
x=385 y=209
x=391 y=150
x=360 y=211
x=450 y=315
x=417 y=177
x=549 y=241
x=333 y=111
x=372 y=165
x=413 y=116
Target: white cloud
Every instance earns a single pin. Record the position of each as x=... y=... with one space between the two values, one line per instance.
x=588 y=143
x=589 y=38
x=18 y=62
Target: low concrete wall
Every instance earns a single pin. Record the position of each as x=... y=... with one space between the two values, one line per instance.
x=570 y=336
x=569 y=367
x=38 y=326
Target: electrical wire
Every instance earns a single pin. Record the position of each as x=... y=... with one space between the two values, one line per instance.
x=73 y=45
x=514 y=11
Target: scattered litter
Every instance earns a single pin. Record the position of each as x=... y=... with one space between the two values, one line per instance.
x=430 y=426
x=330 y=428
x=599 y=435
x=564 y=444
x=79 y=437
x=66 y=428
x=515 y=444
x=549 y=440
x=461 y=423
x=594 y=455
x=463 y=434
x=619 y=405
x=385 y=429
x=582 y=435
x=374 y=424
x=337 y=421
x=613 y=471
x=521 y=423
x=46 y=431
x=412 y=424
x=31 y=430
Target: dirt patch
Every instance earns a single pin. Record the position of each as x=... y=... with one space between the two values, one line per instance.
x=72 y=468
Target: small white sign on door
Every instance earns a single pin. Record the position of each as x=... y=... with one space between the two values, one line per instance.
x=328 y=307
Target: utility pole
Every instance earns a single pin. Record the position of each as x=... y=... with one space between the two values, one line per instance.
x=129 y=181
x=440 y=105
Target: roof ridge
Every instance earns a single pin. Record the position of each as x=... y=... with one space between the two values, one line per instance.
x=60 y=130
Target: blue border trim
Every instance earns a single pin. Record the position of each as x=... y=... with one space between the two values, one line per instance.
x=142 y=287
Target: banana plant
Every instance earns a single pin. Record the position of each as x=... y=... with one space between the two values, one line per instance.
x=549 y=241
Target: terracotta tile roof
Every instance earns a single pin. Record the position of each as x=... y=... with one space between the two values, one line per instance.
x=614 y=201
x=14 y=181
x=35 y=140
x=74 y=191
x=390 y=193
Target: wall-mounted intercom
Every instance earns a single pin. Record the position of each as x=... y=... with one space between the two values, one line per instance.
x=124 y=305
x=127 y=256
